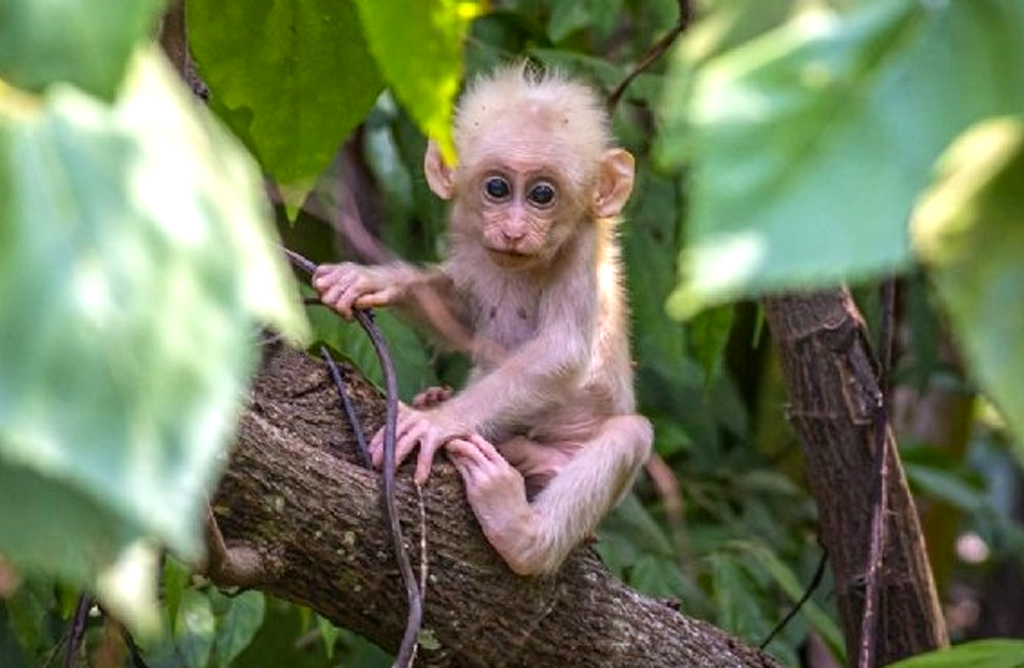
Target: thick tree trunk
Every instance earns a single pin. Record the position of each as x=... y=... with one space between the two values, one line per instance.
x=294 y=501
x=835 y=405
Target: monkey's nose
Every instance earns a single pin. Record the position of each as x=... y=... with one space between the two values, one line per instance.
x=513 y=233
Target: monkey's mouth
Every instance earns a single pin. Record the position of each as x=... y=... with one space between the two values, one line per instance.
x=507 y=257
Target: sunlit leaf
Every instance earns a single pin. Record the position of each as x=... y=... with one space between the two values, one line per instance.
x=292 y=78
x=970 y=230
x=810 y=143
x=135 y=258
x=84 y=42
x=418 y=46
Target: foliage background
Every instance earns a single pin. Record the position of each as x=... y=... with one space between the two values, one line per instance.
x=781 y=145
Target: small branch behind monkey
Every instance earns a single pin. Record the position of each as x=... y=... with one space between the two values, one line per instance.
x=686 y=16
x=880 y=500
x=414 y=592
x=346 y=403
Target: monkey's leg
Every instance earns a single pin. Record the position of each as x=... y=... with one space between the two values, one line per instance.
x=536 y=538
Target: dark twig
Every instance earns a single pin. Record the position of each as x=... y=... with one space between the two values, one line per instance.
x=819 y=573
x=407 y=650
x=880 y=505
x=133 y=650
x=346 y=404
x=299 y=261
x=76 y=634
x=686 y=15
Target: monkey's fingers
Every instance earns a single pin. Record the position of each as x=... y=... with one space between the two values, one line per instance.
x=425 y=460
x=465 y=449
x=486 y=449
x=339 y=296
x=467 y=458
x=480 y=456
x=466 y=468
x=407 y=435
x=375 y=298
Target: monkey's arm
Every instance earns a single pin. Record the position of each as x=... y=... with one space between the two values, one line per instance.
x=347 y=286
x=425 y=296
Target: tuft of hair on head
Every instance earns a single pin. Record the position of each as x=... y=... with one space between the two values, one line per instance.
x=522 y=95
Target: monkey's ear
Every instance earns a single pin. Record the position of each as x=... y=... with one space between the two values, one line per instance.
x=615 y=182
x=439 y=174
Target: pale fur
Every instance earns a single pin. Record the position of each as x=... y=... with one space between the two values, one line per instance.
x=552 y=384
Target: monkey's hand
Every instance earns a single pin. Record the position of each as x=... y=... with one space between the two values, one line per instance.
x=347 y=286
x=428 y=429
x=497 y=493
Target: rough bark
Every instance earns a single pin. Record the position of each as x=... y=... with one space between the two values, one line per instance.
x=294 y=499
x=835 y=402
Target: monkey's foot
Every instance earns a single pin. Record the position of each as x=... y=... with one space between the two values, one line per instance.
x=432 y=396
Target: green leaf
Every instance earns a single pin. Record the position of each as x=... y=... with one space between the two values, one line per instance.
x=811 y=142
x=709 y=333
x=50 y=516
x=135 y=258
x=194 y=629
x=84 y=42
x=632 y=524
x=786 y=579
x=647 y=231
x=568 y=16
x=26 y=611
x=739 y=609
x=969 y=229
x=977 y=654
x=292 y=78
x=418 y=46
x=174 y=583
x=238 y=626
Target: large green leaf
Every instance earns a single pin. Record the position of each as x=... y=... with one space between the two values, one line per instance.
x=811 y=142
x=135 y=256
x=292 y=78
x=970 y=231
x=977 y=654
x=418 y=45
x=84 y=42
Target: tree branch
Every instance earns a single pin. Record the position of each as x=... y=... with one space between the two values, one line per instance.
x=837 y=408
x=295 y=494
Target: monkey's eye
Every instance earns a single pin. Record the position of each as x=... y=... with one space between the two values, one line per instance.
x=541 y=194
x=497 y=188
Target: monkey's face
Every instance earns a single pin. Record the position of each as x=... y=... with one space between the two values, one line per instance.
x=517 y=213
x=521 y=209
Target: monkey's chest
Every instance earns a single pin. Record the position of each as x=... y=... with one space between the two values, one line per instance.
x=507 y=323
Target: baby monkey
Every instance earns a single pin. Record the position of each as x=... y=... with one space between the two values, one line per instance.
x=545 y=433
